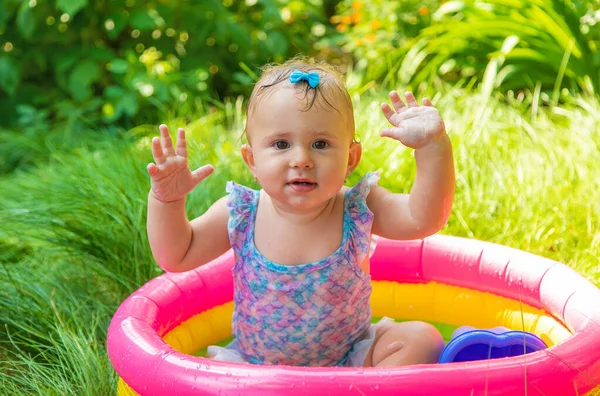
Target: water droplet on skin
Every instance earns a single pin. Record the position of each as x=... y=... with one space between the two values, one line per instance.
x=351 y=387
x=376 y=387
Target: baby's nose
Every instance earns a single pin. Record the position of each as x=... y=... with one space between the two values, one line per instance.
x=301 y=159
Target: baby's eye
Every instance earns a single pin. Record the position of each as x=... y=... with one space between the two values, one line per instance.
x=281 y=145
x=320 y=144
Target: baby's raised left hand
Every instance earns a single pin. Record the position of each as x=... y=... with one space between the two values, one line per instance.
x=414 y=126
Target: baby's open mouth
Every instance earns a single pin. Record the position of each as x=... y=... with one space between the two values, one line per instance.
x=302 y=185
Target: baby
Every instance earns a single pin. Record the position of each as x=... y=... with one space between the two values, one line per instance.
x=302 y=243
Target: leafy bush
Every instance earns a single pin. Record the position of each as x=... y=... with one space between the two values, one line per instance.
x=535 y=45
x=377 y=32
x=89 y=63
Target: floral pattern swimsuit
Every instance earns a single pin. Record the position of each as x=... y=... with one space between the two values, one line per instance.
x=315 y=314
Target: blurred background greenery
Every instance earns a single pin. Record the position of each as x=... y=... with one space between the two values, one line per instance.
x=107 y=66
x=84 y=84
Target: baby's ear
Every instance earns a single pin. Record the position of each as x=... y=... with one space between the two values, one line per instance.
x=248 y=157
x=354 y=157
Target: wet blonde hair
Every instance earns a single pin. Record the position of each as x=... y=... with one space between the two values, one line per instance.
x=330 y=94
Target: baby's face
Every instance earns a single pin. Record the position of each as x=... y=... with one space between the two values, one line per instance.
x=301 y=157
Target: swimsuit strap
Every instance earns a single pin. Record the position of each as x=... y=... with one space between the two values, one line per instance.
x=358 y=219
x=240 y=203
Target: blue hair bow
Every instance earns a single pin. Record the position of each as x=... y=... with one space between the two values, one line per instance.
x=311 y=78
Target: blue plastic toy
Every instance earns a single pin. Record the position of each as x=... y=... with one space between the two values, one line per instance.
x=468 y=343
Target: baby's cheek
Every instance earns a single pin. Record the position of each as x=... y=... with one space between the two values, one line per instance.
x=266 y=163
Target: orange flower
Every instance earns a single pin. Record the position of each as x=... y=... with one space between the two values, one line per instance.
x=423 y=11
x=347 y=19
x=370 y=38
x=376 y=24
x=341 y=28
x=357 y=5
x=335 y=19
x=356 y=18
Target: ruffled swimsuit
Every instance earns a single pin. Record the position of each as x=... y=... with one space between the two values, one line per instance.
x=315 y=314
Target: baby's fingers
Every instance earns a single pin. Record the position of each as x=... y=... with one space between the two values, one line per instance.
x=181 y=147
x=152 y=169
x=387 y=111
x=202 y=173
x=393 y=133
x=427 y=102
x=157 y=151
x=397 y=101
x=165 y=140
x=411 y=101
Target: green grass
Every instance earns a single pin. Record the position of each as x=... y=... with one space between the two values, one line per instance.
x=529 y=181
x=72 y=228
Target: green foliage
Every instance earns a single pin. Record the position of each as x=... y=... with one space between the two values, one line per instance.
x=50 y=341
x=376 y=32
x=534 y=45
x=124 y=61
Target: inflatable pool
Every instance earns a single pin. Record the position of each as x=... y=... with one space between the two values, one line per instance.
x=155 y=334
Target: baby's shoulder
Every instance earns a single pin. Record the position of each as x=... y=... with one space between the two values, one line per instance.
x=358 y=196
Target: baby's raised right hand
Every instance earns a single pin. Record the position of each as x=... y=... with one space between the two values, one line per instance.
x=170 y=175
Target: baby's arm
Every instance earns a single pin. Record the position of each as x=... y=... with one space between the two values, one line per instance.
x=427 y=208
x=177 y=244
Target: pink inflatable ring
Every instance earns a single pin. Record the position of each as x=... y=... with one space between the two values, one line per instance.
x=442 y=279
